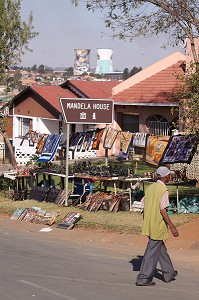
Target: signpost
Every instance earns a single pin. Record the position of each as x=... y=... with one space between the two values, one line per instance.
x=84 y=111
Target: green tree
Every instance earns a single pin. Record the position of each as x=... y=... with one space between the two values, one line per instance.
x=41 y=69
x=188 y=99
x=15 y=35
x=70 y=71
x=179 y=19
x=129 y=19
x=135 y=70
x=34 y=68
x=125 y=74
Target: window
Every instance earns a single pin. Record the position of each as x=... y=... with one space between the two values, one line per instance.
x=25 y=125
x=130 y=123
x=158 y=125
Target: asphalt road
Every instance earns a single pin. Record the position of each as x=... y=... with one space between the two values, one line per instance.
x=36 y=267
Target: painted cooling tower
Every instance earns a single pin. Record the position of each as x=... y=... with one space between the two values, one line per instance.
x=82 y=61
x=104 y=61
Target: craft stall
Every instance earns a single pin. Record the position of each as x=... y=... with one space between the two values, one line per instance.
x=106 y=186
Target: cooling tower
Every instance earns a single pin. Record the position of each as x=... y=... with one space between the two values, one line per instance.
x=104 y=61
x=82 y=61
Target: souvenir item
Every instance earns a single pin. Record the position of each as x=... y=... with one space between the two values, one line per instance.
x=180 y=149
x=110 y=137
x=155 y=147
x=50 y=147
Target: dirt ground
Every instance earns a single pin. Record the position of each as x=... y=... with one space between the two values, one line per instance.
x=184 y=248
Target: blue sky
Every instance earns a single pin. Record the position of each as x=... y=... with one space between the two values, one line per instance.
x=63 y=28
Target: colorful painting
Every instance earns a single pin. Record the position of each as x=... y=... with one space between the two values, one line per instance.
x=180 y=149
x=155 y=147
x=110 y=137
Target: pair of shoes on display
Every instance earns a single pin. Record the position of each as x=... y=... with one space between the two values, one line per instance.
x=175 y=273
x=150 y=283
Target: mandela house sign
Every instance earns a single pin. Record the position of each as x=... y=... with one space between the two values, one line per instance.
x=87 y=111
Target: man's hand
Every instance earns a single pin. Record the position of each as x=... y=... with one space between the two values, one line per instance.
x=165 y=216
x=174 y=231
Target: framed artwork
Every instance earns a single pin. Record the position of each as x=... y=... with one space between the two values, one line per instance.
x=155 y=146
x=180 y=149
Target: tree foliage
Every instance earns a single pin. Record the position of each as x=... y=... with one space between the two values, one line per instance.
x=132 y=18
x=135 y=70
x=179 y=19
x=15 y=33
x=126 y=74
x=188 y=98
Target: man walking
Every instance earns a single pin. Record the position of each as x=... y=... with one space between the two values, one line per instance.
x=155 y=226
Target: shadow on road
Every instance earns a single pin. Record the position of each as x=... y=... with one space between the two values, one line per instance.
x=136 y=264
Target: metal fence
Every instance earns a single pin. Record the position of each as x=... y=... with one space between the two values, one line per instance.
x=158 y=128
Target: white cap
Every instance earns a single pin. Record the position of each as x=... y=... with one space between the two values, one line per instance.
x=163 y=171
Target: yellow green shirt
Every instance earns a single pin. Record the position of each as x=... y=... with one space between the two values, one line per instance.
x=154 y=225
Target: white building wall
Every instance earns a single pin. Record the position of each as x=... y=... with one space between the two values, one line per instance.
x=24 y=152
x=47 y=126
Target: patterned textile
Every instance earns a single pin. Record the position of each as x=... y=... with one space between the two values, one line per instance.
x=50 y=147
x=122 y=156
x=139 y=139
x=74 y=139
x=110 y=137
x=192 y=169
x=88 y=139
x=80 y=141
x=40 y=144
x=181 y=149
x=33 y=137
x=125 y=141
x=154 y=148
x=97 y=138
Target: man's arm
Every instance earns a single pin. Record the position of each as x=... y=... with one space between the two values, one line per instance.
x=166 y=218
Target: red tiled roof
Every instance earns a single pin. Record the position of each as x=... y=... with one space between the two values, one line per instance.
x=52 y=94
x=157 y=88
x=95 y=89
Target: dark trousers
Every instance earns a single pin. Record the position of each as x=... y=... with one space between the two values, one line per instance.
x=155 y=252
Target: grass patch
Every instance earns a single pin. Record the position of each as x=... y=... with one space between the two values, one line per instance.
x=121 y=222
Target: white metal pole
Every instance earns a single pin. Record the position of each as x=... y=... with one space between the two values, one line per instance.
x=177 y=196
x=67 y=153
x=106 y=150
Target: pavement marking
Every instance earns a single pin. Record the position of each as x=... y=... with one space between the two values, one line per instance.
x=46 y=290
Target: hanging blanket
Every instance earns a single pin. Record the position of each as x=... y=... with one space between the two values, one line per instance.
x=139 y=139
x=155 y=148
x=97 y=138
x=125 y=141
x=88 y=140
x=40 y=144
x=110 y=137
x=50 y=147
x=74 y=139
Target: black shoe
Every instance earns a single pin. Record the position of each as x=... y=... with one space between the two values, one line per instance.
x=150 y=283
x=175 y=273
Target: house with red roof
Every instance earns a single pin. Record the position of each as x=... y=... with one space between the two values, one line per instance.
x=145 y=102
x=142 y=103
x=37 y=109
